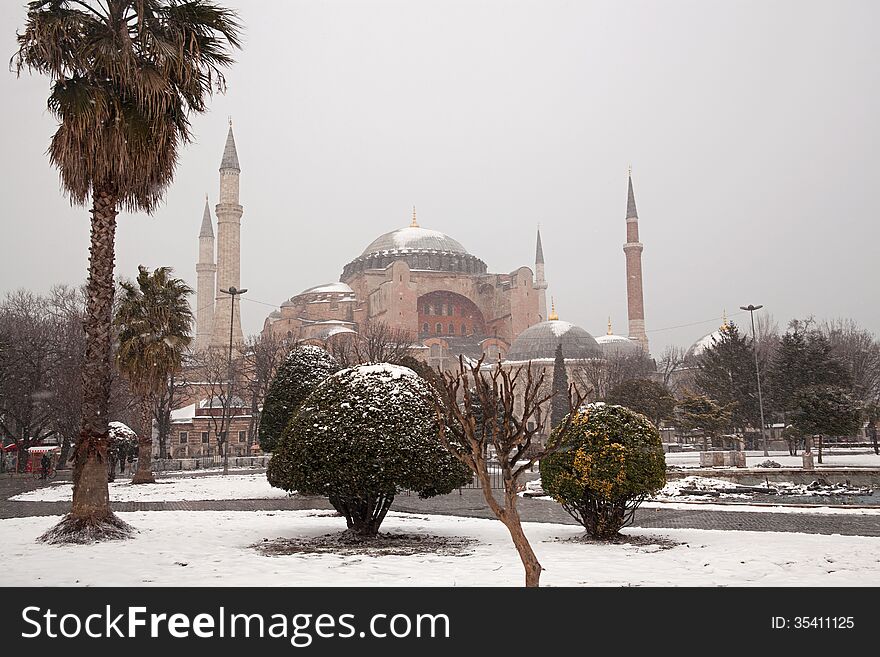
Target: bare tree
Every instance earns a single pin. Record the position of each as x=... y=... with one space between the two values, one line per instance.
x=211 y=368
x=669 y=366
x=261 y=355
x=501 y=409
x=66 y=306
x=602 y=375
x=860 y=351
x=27 y=357
x=377 y=342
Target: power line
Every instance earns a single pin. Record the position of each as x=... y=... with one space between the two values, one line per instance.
x=705 y=321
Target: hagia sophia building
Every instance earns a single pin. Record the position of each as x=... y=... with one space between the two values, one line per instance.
x=416 y=279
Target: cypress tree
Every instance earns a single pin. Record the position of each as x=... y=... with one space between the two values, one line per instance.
x=559 y=403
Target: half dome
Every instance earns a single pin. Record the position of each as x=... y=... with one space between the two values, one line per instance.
x=539 y=341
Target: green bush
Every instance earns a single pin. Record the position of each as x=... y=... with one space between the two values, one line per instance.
x=301 y=372
x=611 y=459
x=362 y=436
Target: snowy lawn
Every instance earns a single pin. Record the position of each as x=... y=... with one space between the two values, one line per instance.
x=831 y=457
x=185 y=548
x=178 y=488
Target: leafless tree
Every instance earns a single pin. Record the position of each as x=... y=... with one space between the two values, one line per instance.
x=669 y=367
x=502 y=409
x=210 y=371
x=602 y=375
x=860 y=351
x=66 y=307
x=377 y=342
x=27 y=358
x=261 y=356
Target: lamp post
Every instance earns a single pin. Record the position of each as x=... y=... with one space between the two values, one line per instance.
x=752 y=310
x=232 y=292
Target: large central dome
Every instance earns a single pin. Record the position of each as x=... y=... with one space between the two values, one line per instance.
x=421 y=248
x=413 y=238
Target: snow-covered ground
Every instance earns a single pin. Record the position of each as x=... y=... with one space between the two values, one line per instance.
x=176 y=488
x=183 y=548
x=843 y=458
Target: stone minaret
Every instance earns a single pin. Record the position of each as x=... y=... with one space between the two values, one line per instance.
x=228 y=247
x=206 y=272
x=633 y=250
x=540 y=281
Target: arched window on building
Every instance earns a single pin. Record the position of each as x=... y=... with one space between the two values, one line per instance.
x=426 y=328
x=451 y=329
x=464 y=329
x=438 y=329
x=450 y=310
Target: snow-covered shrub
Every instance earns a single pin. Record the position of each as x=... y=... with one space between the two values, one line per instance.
x=611 y=459
x=301 y=372
x=362 y=436
x=122 y=447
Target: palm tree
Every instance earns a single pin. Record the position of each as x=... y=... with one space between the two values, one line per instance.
x=154 y=322
x=127 y=75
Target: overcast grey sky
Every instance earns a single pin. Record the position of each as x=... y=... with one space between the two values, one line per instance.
x=752 y=128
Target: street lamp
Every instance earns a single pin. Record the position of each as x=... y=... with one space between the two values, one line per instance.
x=752 y=310
x=225 y=428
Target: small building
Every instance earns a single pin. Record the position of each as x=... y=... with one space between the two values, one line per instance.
x=195 y=429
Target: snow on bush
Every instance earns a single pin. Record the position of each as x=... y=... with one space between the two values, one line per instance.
x=362 y=436
x=302 y=371
x=611 y=459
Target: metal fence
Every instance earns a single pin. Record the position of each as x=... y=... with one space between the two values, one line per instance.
x=201 y=463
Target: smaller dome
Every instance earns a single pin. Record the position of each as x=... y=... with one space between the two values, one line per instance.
x=618 y=345
x=275 y=314
x=707 y=341
x=288 y=304
x=329 y=288
x=540 y=340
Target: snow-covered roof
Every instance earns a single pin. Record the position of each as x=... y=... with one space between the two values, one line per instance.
x=414 y=238
x=184 y=414
x=706 y=342
x=540 y=341
x=328 y=288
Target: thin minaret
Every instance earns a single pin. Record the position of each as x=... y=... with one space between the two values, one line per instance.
x=206 y=273
x=229 y=213
x=540 y=281
x=635 y=302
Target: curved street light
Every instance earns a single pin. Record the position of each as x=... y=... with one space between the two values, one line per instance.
x=232 y=292
x=751 y=309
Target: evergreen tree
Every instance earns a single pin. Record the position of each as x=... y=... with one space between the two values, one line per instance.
x=726 y=373
x=559 y=403
x=825 y=410
x=700 y=412
x=154 y=322
x=804 y=358
x=649 y=398
x=301 y=372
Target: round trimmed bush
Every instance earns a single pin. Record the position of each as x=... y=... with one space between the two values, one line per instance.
x=301 y=372
x=362 y=436
x=611 y=459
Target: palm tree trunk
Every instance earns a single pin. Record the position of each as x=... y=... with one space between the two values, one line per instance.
x=90 y=518
x=144 y=474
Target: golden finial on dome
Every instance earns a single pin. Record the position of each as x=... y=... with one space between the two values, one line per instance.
x=724 y=323
x=609 y=326
x=414 y=224
x=553 y=316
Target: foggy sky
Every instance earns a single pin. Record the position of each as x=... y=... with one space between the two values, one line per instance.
x=751 y=127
